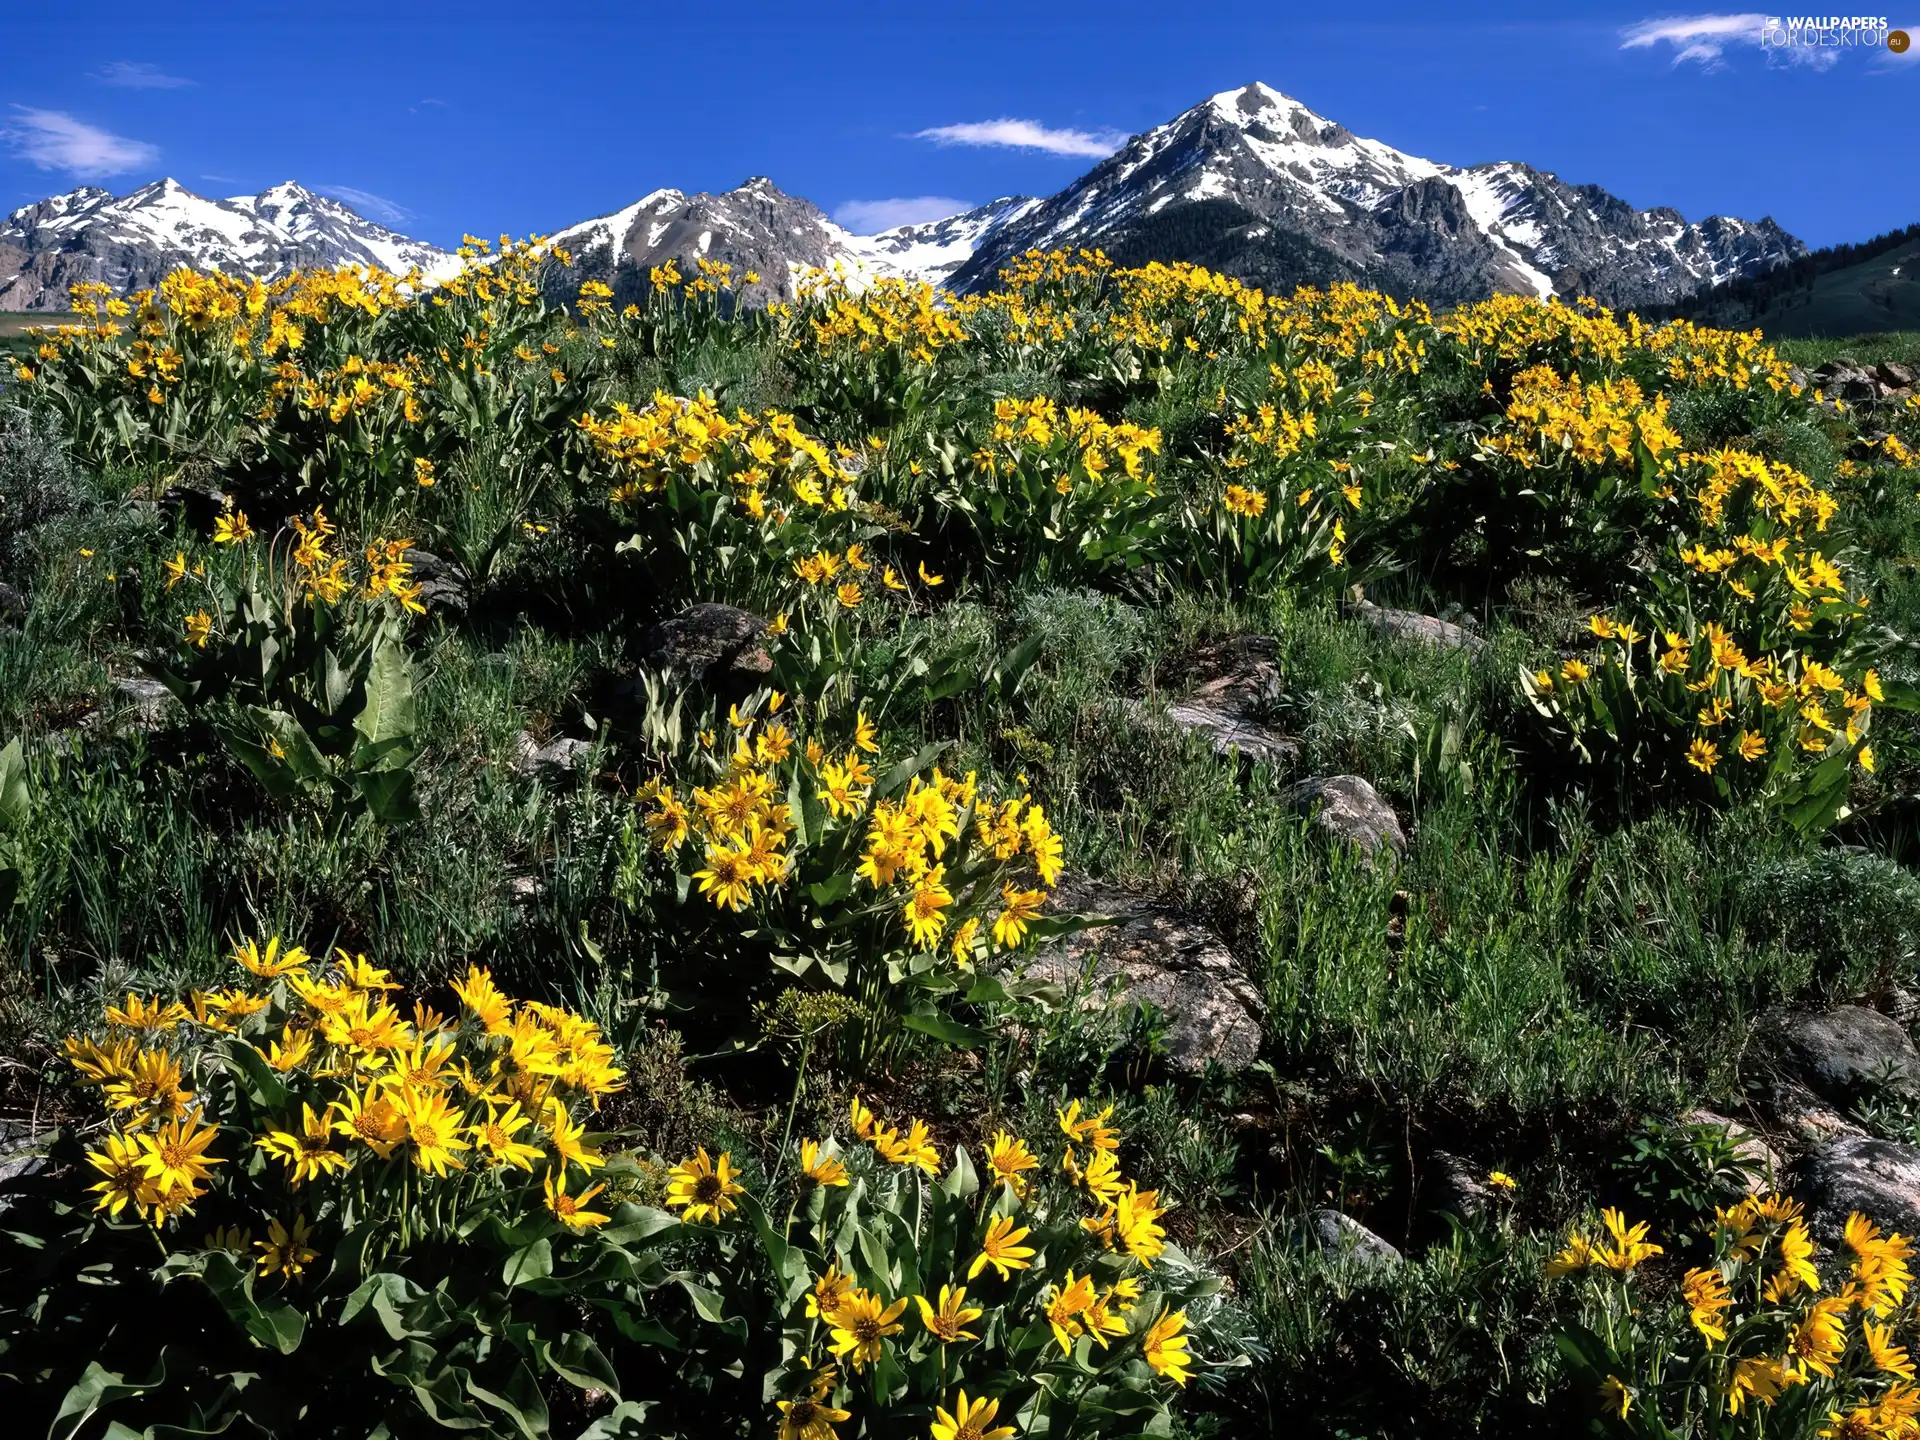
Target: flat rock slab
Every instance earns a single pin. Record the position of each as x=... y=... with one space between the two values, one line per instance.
x=1347 y=808
x=1427 y=629
x=1227 y=732
x=1878 y=1178
x=1850 y=1051
x=1341 y=1236
x=1804 y=1117
x=1213 y=1013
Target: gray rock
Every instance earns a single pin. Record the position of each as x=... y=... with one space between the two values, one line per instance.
x=1456 y=1186
x=1848 y=1051
x=1878 y=1178
x=1212 y=1011
x=1896 y=376
x=139 y=701
x=1339 y=1235
x=558 y=757
x=1805 y=1117
x=1227 y=732
x=444 y=586
x=12 y=603
x=1427 y=629
x=1758 y=1160
x=1229 y=682
x=1348 y=808
x=708 y=642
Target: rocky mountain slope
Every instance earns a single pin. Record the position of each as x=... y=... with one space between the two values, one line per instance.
x=133 y=240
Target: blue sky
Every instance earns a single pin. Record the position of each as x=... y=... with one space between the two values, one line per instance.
x=488 y=118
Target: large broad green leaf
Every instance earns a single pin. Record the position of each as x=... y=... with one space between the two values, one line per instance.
x=99 y=1386
x=966 y=1037
x=529 y=1263
x=276 y=1324
x=16 y=796
x=388 y=714
x=578 y=1360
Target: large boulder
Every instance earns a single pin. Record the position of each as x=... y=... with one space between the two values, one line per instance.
x=1348 y=809
x=1848 y=1052
x=1213 y=1013
x=1802 y=1116
x=1878 y=1178
x=1340 y=1236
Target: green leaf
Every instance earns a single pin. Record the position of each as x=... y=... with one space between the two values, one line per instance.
x=835 y=887
x=388 y=714
x=965 y=1037
x=529 y=1263
x=578 y=1360
x=16 y=796
x=99 y=1386
x=266 y=1086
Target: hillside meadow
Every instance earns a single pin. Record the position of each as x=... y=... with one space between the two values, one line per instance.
x=1121 y=856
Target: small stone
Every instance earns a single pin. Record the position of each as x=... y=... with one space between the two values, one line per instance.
x=1347 y=808
x=1458 y=1187
x=1878 y=1178
x=1849 y=1051
x=140 y=701
x=12 y=603
x=1339 y=1235
x=1213 y=1012
x=558 y=757
x=1227 y=733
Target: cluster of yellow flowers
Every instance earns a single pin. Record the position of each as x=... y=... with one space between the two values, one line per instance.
x=888 y=314
x=1023 y=428
x=744 y=823
x=1794 y=1335
x=1597 y=424
x=371 y=1084
x=858 y=1324
x=747 y=452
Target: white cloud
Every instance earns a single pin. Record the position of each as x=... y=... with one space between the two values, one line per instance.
x=54 y=140
x=139 y=75
x=1700 y=38
x=374 y=207
x=869 y=217
x=1026 y=135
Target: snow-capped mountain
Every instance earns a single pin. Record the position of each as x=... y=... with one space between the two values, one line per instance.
x=759 y=228
x=1249 y=182
x=1254 y=183
x=133 y=240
